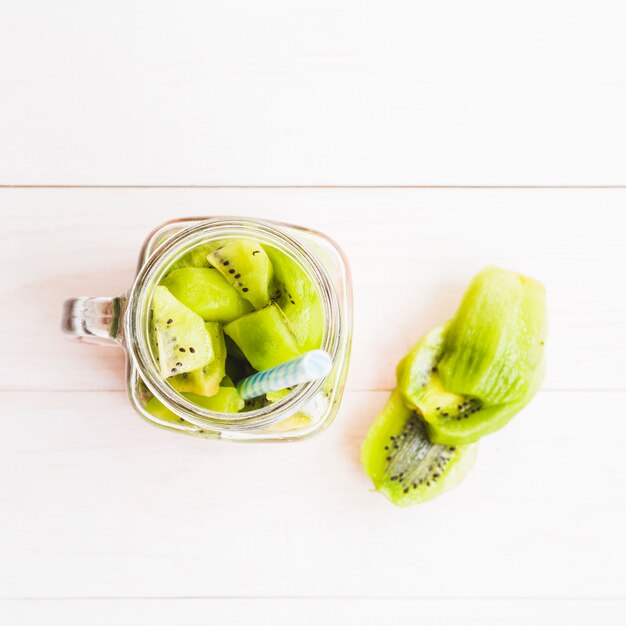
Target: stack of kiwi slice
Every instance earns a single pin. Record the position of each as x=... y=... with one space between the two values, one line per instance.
x=460 y=382
x=225 y=310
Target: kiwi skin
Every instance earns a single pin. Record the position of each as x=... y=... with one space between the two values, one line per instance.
x=469 y=378
x=403 y=463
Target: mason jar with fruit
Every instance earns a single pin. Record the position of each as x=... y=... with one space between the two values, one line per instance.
x=215 y=301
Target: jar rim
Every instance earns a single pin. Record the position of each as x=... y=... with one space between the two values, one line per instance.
x=151 y=273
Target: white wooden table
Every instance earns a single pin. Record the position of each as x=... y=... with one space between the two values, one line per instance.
x=429 y=140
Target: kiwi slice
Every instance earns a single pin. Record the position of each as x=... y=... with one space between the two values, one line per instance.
x=226 y=400
x=205 y=381
x=158 y=409
x=183 y=342
x=403 y=463
x=276 y=396
x=297 y=296
x=197 y=256
x=206 y=292
x=469 y=378
x=265 y=337
x=246 y=266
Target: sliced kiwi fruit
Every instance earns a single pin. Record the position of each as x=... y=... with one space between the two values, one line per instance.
x=183 y=342
x=403 y=463
x=158 y=409
x=265 y=337
x=206 y=292
x=277 y=396
x=297 y=296
x=226 y=400
x=469 y=378
x=205 y=381
x=246 y=266
x=197 y=256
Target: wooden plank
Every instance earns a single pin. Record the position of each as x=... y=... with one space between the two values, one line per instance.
x=97 y=503
x=342 y=93
x=196 y=612
x=412 y=253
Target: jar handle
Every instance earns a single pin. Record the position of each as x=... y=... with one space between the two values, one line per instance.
x=94 y=320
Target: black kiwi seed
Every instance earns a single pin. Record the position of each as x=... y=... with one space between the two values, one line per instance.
x=225 y=263
x=256 y=252
x=405 y=490
x=237 y=275
x=192 y=350
x=174 y=370
x=231 y=271
x=179 y=364
x=181 y=350
x=169 y=321
x=244 y=289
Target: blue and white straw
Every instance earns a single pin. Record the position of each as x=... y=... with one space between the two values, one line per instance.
x=303 y=369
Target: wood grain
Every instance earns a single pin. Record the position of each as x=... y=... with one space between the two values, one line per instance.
x=278 y=612
x=124 y=509
x=349 y=93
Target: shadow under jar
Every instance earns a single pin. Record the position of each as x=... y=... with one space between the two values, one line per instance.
x=124 y=321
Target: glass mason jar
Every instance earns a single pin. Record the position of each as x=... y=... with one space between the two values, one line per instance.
x=123 y=321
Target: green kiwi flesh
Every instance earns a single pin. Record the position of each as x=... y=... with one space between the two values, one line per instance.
x=469 y=378
x=183 y=342
x=265 y=337
x=297 y=296
x=226 y=400
x=258 y=306
x=403 y=463
x=197 y=256
x=206 y=292
x=246 y=266
x=205 y=381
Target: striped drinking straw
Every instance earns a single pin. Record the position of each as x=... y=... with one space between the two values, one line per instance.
x=303 y=369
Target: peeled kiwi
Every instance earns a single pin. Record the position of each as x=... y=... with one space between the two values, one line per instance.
x=205 y=381
x=226 y=400
x=469 y=378
x=297 y=296
x=183 y=343
x=404 y=463
x=246 y=266
x=206 y=292
x=197 y=256
x=265 y=337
